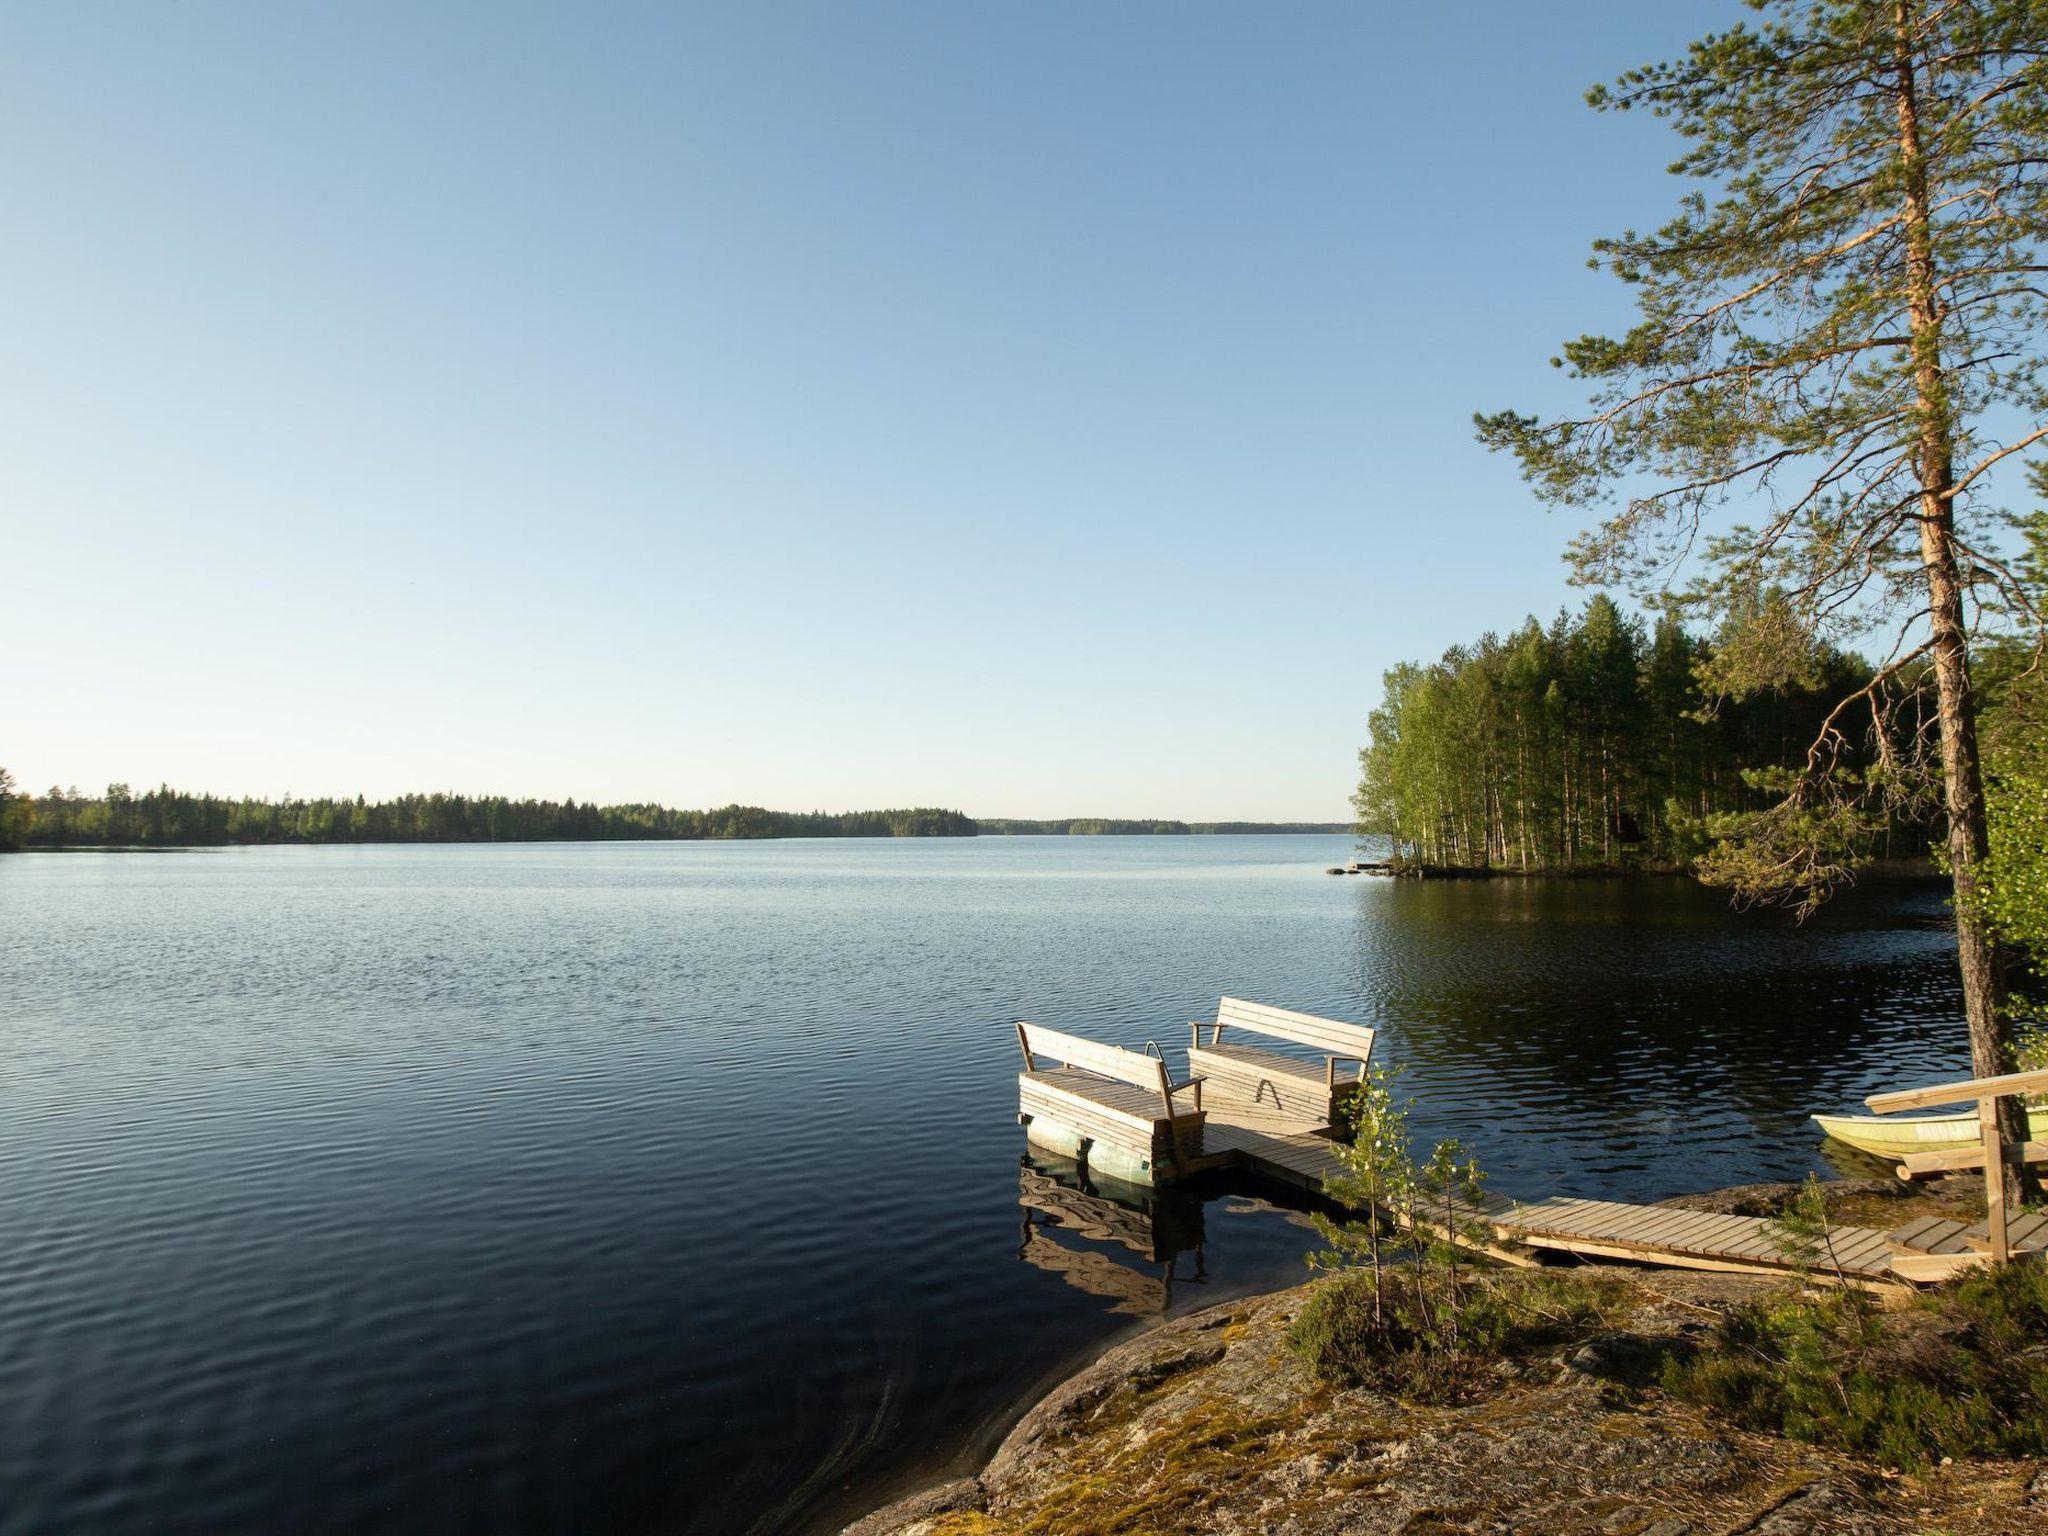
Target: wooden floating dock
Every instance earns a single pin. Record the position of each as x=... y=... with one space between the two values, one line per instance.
x=1247 y=1108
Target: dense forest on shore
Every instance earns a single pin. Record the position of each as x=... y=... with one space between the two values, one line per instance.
x=166 y=818
x=169 y=818
x=1098 y=826
x=1590 y=743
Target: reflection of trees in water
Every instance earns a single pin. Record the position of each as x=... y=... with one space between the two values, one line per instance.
x=1645 y=1006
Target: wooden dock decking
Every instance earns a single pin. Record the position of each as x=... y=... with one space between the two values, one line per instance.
x=1238 y=1120
x=1653 y=1234
x=1933 y=1248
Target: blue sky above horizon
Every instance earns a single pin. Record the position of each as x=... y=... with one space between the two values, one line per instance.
x=1041 y=410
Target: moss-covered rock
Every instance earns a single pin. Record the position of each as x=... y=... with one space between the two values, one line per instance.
x=1214 y=1423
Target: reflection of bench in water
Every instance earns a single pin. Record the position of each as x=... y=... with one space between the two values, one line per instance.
x=1151 y=1223
x=1135 y=1294
x=1156 y=1227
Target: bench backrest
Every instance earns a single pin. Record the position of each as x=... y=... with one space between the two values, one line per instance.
x=1133 y=1067
x=1332 y=1037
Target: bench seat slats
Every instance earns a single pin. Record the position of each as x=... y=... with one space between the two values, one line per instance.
x=1225 y=1056
x=1136 y=1105
x=1265 y=1086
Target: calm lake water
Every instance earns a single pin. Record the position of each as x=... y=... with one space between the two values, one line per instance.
x=675 y=1187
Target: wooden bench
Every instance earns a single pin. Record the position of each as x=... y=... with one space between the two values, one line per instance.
x=1102 y=1099
x=1270 y=1084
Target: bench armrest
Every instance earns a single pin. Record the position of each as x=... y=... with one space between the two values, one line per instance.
x=1193 y=1081
x=1330 y=1068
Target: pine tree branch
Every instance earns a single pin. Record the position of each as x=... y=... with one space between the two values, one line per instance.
x=1964 y=481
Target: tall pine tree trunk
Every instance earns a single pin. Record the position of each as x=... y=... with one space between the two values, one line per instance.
x=1962 y=778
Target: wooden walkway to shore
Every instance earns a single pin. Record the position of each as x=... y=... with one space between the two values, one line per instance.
x=1651 y=1234
x=1276 y=1124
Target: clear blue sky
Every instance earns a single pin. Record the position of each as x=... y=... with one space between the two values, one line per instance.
x=1034 y=408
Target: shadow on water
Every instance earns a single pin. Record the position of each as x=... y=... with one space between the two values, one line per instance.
x=1596 y=1029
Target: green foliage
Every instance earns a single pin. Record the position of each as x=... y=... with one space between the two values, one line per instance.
x=2012 y=896
x=2014 y=886
x=1377 y=1176
x=1081 y=826
x=1775 y=350
x=1962 y=1371
x=1345 y=1334
x=1086 y=826
x=1218 y=827
x=1835 y=326
x=1801 y=1231
x=1804 y=1234
x=14 y=813
x=165 y=817
x=1795 y=847
x=1348 y=1339
x=1594 y=743
x=1512 y=1313
x=1400 y=1309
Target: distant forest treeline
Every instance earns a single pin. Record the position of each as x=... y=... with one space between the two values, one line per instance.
x=168 y=818
x=1100 y=826
x=1586 y=744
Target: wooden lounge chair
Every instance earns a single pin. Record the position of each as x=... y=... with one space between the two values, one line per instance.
x=1271 y=1084
x=1116 y=1108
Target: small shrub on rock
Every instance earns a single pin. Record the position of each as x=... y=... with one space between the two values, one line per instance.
x=1346 y=1340
x=1962 y=1371
x=1403 y=1310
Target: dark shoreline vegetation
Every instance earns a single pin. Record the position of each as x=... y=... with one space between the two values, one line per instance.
x=1587 y=745
x=1101 y=826
x=169 y=818
x=1596 y=745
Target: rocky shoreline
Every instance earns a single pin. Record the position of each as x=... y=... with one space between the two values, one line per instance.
x=1210 y=1424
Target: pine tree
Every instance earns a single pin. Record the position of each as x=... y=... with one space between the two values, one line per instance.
x=1833 y=325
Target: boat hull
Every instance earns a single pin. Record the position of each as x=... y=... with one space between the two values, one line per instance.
x=1883 y=1136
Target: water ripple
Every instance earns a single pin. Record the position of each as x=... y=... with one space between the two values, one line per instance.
x=674 y=1187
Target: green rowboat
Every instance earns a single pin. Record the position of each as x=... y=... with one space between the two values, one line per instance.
x=1888 y=1136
